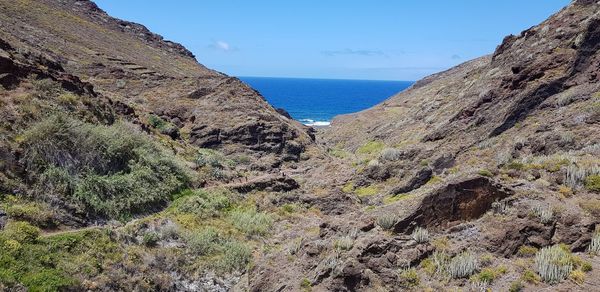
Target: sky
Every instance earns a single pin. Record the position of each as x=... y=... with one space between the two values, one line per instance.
x=335 y=39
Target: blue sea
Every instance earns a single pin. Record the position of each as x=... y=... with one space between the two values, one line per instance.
x=316 y=101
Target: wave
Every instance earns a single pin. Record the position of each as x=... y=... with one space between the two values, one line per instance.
x=313 y=123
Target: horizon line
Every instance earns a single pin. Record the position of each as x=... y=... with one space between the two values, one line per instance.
x=322 y=78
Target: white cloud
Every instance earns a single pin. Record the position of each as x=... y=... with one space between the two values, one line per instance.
x=222 y=46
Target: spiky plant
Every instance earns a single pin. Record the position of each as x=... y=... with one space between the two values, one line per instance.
x=553 y=264
x=462 y=265
x=545 y=214
x=420 y=235
x=387 y=221
x=595 y=244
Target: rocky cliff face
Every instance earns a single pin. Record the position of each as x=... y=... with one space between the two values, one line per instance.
x=126 y=62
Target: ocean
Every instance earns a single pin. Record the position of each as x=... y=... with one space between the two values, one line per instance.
x=315 y=102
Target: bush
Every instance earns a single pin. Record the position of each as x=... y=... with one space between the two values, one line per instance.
x=577 y=276
x=462 y=265
x=202 y=203
x=530 y=276
x=527 y=251
x=387 y=221
x=516 y=286
x=409 y=278
x=305 y=284
x=22 y=232
x=54 y=263
x=390 y=154
x=553 y=264
x=343 y=243
x=35 y=213
x=46 y=88
x=150 y=239
x=592 y=183
x=113 y=171
x=371 y=147
x=161 y=125
x=236 y=256
x=367 y=191
x=204 y=242
x=420 y=235
x=488 y=275
x=251 y=222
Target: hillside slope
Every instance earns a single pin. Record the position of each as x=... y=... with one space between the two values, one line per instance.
x=470 y=178
x=126 y=62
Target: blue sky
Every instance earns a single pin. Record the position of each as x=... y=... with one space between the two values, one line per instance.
x=345 y=39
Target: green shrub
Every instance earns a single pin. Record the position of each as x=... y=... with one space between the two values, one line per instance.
x=516 y=286
x=251 y=222
x=202 y=203
x=348 y=188
x=305 y=284
x=203 y=242
x=338 y=153
x=68 y=98
x=212 y=158
x=54 y=263
x=577 y=276
x=289 y=208
x=35 y=213
x=592 y=183
x=150 y=239
x=161 y=125
x=22 y=232
x=487 y=275
x=516 y=165
x=367 y=191
x=409 y=278
x=462 y=265
x=46 y=88
x=112 y=171
x=527 y=251
x=553 y=264
x=47 y=279
x=371 y=147
x=236 y=256
x=530 y=276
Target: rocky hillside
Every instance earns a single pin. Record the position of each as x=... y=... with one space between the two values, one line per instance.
x=125 y=165
x=476 y=177
x=127 y=63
